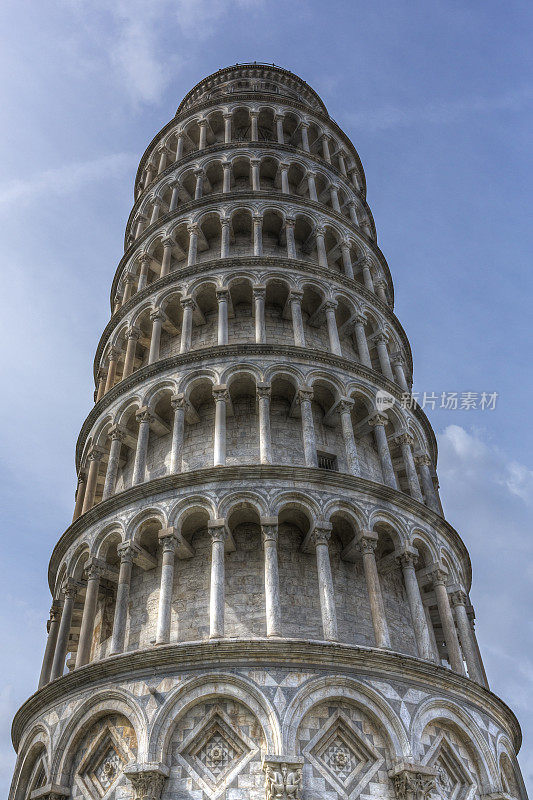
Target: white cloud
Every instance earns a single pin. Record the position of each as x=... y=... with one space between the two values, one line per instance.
x=67 y=178
x=440 y=111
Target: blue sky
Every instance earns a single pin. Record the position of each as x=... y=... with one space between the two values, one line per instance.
x=438 y=99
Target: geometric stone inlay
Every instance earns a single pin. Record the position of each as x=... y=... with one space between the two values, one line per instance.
x=343 y=757
x=453 y=780
x=215 y=752
x=103 y=764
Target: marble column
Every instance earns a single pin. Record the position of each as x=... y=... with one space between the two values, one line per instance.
x=289 y=234
x=305 y=397
x=168 y=244
x=227 y=128
x=168 y=541
x=187 y=304
x=423 y=461
x=257 y=221
x=367 y=545
x=321 y=247
x=226 y=177
x=259 y=294
x=254 y=127
x=254 y=168
x=222 y=299
x=144 y=417
x=362 y=344
x=320 y=537
x=126 y=552
x=346 y=259
x=94 y=570
x=311 y=185
x=51 y=641
x=128 y=288
x=117 y=436
x=331 y=322
x=164 y=153
x=399 y=372
x=202 y=140
x=221 y=397
x=156 y=210
x=141 y=222
x=265 y=441
x=144 y=265
x=179 y=145
x=345 y=412
x=58 y=664
x=112 y=360
x=378 y=422
x=295 y=299
x=383 y=355
x=199 y=186
x=459 y=600
x=284 y=168
x=179 y=405
x=279 y=128
x=438 y=577
x=218 y=531
x=381 y=292
x=352 y=207
x=342 y=164
x=269 y=536
x=367 y=275
x=80 y=495
x=133 y=335
x=193 y=244
x=95 y=457
x=157 y=318
x=304 y=128
x=325 y=148
x=225 y=226
x=405 y=440
x=407 y=560
x=175 y=196
x=334 y=195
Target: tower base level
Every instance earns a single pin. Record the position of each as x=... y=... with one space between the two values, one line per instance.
x=265 y=718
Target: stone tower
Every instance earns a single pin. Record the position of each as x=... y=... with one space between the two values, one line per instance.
x=258 y=597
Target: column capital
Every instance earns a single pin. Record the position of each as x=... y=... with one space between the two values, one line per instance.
x=330 y=305
x=71 y=588
x=127 y=551
x=163 y=149
x=144 y=415
x=405 y=438
x=255 y=161
x=178 y=401
x=359 y=319
x=398 y=359
x=218 y=530
x=367 y=541
x=117 y=433
x=225 y=222
x=296 y=295
x=128 y=278
x=50 y=791
x=380 y=284
x=187 y=302
x=381 y=337
x=377 y=419
x=263 y=390
x=222 y=294
x=157 y=314
x=226 y=165
x=199 y=172
x=257 y=218
x=168 y=538
x=113 y=353
x=202 y=122
x=55 y=611
x=422 y=459
x=321 y=532
x=290 y=222
x=220 y=393
x=345 y=404
x=96 y=454
x=227 y=114
x=168 y=241
x=305 y=393
x=144 y=258
x=82 y=476
x=311 y=173
x=458 y=597
x=193 y=228
x=413 y=781
x=258 y=292
x=147 y=779
x=438 y=575
x=320 y=230
x=133 y=332
x=253 y=114
x=407 y=556
x=269 y=529
x=283 y=777
x=279 y=115
x=94 y=568
x=284 y=165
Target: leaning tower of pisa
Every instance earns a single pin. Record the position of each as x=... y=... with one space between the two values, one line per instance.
x=259 y=597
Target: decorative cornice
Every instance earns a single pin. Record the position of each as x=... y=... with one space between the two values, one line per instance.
x=344 y=659
x=325 y=479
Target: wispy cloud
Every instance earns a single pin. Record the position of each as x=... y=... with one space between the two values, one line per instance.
x=67 y=178
x=440 y=112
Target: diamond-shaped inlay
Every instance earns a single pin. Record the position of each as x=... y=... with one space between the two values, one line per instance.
x=343 y=757
x=103 y=764
x=453 y=780
x=215 y=752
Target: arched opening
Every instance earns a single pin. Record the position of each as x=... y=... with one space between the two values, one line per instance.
x=278 y=320
x=272 y=230
x=241 y=324
x=242 y=423
x=245 y=573
x=285 y=423
x=199 y=426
